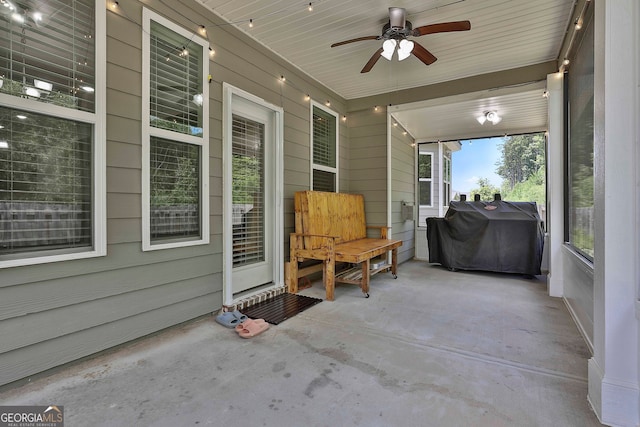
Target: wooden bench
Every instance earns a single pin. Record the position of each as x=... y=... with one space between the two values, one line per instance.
x=331 y=227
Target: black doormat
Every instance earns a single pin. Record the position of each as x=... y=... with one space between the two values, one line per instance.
x=280 y=308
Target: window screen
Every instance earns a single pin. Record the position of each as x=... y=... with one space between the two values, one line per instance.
x=47 y=51
x=580 y=146
x=45 y=182
x=175 y=190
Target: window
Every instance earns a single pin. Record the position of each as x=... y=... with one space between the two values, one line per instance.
x=175 y=136
x=425 y=174
x=324 y=155
x=580 y=149
x=52 y=170
x=446 y=179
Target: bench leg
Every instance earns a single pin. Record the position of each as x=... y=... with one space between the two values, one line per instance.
x=394 y=263
x=293 y=276
x=329 y=274
x=366 y=276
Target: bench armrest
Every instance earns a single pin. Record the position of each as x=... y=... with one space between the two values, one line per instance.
x=384 y=230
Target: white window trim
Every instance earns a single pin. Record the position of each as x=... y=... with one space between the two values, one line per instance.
x=148 y=131
x=313 y=166
x=430 y=180
x=98 y=121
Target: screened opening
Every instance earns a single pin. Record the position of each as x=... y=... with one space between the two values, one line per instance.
x=47 y=52
x=580 y=186
x=248 y=154
x=176 y=94
x=174 y=190
x=45 y=182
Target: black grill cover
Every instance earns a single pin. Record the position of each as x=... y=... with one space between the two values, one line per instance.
x=497 y=236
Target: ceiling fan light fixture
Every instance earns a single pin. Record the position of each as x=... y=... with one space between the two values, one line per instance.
x=489 y=116
x=406 y=46
x=388 y=47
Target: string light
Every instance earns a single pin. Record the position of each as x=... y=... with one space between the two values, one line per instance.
x=307 y=97
x=114 y=5
x=203 y=30
x=375 y=108
x=344 y=118
x=211 y=51
x=328 y=103
x=250 y=23
x=310 y=7
x=566 y=61
x=283 y=79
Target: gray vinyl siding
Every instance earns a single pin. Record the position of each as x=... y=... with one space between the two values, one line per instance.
x=51 y=314
x=403 y=189
x=368 y=165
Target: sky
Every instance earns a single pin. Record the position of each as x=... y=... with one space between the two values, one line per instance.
x=476 y=159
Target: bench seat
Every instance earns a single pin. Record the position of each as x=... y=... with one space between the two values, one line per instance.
x=331 y=227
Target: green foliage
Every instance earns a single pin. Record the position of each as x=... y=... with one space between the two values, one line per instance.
x=49 y=159
x=175 y=126
x=247 y=179
x=522 y=157
x=531 y=190
x=175 y=175
x=485 y=189
x=12 y=87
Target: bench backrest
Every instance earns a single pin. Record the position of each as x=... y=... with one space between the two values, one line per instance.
x=331 y=214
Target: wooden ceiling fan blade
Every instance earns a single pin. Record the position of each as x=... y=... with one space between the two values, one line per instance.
x=423 y=54
x=369 y=65
x=359 y=39
x=443 y=27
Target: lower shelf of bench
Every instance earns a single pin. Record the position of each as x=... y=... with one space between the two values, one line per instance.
x=354 y=275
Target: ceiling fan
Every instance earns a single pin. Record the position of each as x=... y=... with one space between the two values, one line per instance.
x=395 y=33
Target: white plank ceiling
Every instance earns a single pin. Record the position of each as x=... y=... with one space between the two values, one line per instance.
x=504 y=34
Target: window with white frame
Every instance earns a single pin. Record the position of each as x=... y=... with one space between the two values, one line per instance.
x=175 y=136
x=446 y=179
x=52 y=160
x=425 y=179
x=324 y=145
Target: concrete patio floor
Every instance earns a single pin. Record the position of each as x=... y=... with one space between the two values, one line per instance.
x=432 y=348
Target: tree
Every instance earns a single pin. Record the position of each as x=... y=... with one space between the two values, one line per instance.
x=522 y=157
x=485 y=189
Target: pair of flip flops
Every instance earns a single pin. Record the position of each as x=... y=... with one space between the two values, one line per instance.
x=251 y=327
x=231 y=319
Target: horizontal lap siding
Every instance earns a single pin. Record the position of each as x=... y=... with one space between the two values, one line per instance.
x=402 y=190
x=51 y=314
x=368 y=162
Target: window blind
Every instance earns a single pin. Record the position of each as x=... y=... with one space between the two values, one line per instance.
x=175 y=82
x=47 y=52
x=248 y=191
x=174 y=190
x=324 y=138
x=45 y=182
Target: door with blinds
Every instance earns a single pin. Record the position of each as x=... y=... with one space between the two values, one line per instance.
x=252 y=211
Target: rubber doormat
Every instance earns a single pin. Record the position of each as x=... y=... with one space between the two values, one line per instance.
x=280 y=308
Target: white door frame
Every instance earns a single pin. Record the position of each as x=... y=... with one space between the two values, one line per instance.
x=277 y=246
